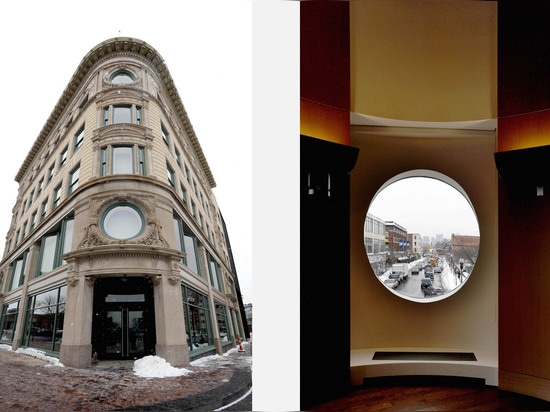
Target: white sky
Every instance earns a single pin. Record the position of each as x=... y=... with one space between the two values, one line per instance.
x=426 y=206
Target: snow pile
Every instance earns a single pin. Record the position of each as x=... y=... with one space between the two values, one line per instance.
x=35 y=354
x=157 y=367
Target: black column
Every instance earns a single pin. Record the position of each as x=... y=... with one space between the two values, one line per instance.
x=324 y=269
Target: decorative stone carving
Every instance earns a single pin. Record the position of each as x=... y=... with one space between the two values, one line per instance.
x=151 y=235
x=72 y=281
x=90 y=280
x=155 y=279
x=174 y=280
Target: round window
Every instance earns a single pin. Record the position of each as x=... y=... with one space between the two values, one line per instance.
x=421 y=236
x=122 y=221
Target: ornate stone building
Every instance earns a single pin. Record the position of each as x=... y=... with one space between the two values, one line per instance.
x=117 y=248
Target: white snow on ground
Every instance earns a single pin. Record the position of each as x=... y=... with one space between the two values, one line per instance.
x=35 y=354
x=157 y=367
x=147 y=367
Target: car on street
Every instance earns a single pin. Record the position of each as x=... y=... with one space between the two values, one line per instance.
x=391 y=283
x=398 y=276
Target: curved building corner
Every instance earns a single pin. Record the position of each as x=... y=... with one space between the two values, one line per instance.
x=117 y=248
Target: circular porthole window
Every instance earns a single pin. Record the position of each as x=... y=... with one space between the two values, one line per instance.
x=122 y=221
x=421 y=236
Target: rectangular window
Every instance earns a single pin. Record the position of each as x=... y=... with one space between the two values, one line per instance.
x=79 y=138
x=187 y=242
x=122 y=114
x=214 y=273
x=8 y=319
x=103 y=162
x=165 y=135
x=138 y=114
x=23 y=231
x=18 y=272
x=44 y=319
x=184 y=194
x=43 y=209
x=33 y=222
x=73 y=179
x=221 y=317
x=141 y=160
x=197 y=318
x=123 y=160
x=40 y=186
x=56 y=196
x=105 y=116
x=47 y=253
x=63 y=157
x=50 y=173
x=54 y=245
x=170 y=175
x=187 y=174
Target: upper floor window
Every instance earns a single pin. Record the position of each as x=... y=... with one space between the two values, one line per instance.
x=122 y=77
x=124 y=159
x=18 y=272
x=187 y=242
x=79 y=138
x=165 y=135
x=74 y=176
x=63 y=157
x=54 y=245
x=122 y=113
x=170 y=175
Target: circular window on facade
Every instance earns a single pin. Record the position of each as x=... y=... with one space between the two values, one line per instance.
x=421 y=236
x=122 y=221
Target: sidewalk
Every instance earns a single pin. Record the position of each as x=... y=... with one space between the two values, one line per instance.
x=30 y=383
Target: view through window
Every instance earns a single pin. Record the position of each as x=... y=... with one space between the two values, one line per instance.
x=421 y=236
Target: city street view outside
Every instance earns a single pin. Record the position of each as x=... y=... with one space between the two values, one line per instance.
x=403 y=253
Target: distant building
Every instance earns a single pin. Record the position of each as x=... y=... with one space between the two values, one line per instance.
x=464 y=249
x=117 y=246
x=248 y=313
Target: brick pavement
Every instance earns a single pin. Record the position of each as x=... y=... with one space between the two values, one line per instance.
x=28 y=383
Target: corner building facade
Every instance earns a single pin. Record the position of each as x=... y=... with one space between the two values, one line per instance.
x=117 y=248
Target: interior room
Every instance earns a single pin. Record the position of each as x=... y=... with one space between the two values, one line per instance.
x=456 y=90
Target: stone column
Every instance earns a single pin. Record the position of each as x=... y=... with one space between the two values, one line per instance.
x=76 y=349
x=169 y=319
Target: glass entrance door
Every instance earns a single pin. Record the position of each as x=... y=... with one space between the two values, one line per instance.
x=124 y=324
x=125 y=333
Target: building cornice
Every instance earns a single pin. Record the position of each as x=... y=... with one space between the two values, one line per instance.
x=113 y=46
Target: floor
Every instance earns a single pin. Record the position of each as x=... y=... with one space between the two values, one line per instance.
x=431 y=395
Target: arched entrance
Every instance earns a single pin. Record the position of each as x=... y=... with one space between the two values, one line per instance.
x=124 y=319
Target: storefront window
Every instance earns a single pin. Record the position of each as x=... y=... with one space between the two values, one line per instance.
x=44 y=320
x=8 y=321
x=223 y=327
x=197 y=317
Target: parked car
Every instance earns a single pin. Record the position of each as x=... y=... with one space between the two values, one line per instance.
x=398 y=276
x=438 y=269
x=391 y=283
x=425 y=284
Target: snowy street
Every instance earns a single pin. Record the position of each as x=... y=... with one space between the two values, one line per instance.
x=34 y=381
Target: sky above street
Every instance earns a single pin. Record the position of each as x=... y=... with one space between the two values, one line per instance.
x=426 y=206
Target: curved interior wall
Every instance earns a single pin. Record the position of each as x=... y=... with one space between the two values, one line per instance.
x=465 y=321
